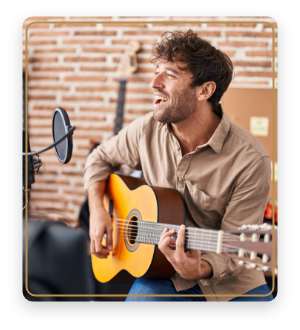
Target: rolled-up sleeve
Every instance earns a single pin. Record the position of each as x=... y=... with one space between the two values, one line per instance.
x=108 y=156
x=246 y=206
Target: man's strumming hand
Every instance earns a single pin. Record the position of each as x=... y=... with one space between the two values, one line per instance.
x=187 y=264
x=100 y=224
x=100 y=221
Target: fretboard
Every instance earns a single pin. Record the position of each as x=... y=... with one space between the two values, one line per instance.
x=195 y=238
x=120 y=108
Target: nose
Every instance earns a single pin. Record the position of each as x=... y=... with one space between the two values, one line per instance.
x=157 y=82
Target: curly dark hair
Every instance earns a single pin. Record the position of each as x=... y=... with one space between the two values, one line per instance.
x=204 y=61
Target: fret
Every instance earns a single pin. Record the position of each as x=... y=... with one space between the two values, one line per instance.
x=188 y=239
x=195 y=238
x=149 y=232
x=152 y=234
x=147 y=235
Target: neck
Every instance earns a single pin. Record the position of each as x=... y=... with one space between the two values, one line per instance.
x=196 y=238
x=197 y=129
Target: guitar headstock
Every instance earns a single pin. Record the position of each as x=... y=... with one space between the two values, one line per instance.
x=255 y=246
x=128 y=63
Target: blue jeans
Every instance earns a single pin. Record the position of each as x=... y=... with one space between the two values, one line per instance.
x=164 y=287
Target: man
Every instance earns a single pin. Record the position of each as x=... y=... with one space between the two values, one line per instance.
x=221 y=171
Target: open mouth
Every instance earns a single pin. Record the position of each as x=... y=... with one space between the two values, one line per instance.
x=160 y=100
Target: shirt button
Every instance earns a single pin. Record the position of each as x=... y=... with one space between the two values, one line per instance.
x=178 y=147
x=180 y=179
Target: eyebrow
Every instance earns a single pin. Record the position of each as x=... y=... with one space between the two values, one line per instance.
x=169 y=69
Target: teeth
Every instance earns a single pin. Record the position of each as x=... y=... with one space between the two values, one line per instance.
x=160 y=98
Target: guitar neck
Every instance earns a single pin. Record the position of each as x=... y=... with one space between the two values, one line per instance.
x=195 y=238
x=120 y=108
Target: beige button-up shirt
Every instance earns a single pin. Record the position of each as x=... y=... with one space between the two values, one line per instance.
x=225 y=183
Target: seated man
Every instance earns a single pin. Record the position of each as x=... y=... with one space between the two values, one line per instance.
x=222 y=172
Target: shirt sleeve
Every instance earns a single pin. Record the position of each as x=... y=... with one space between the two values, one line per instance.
x=246 y=206
x=122 y=148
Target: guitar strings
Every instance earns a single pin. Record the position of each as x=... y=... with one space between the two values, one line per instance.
x=201 y=246
x=156 y=234
x=212 y=231
x=207 y=245
x=198 y=231
x=196 y=244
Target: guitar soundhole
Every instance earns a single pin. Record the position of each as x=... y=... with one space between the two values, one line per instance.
x=131 y=230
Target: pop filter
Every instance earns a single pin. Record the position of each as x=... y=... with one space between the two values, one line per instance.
x=60 y=127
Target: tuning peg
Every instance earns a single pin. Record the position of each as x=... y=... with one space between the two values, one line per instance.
x=241 y=262
x=253 y=265
x=265 y=268
x=242 y=251
x=263 y=226
x=265 y=258
x=255 y=238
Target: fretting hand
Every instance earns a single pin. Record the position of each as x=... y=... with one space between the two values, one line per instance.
x=187 y=264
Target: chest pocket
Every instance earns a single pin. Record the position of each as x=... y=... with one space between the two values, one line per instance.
x=207 y=211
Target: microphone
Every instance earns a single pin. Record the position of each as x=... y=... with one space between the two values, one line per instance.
x=62 y=137
x=61 y=130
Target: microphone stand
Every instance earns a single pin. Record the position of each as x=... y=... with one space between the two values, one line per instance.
x=34 y=164
x=70 y=132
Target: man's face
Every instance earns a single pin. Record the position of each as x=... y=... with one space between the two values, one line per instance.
x=175 y=99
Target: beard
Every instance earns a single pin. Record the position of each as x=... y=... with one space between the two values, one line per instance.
x=181 y=106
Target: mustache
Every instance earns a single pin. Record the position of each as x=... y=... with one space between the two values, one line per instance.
x=160 y=92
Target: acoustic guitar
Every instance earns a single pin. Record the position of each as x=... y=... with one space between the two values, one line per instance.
x=140 y=213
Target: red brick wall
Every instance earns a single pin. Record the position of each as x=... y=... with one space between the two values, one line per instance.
x=74 y=66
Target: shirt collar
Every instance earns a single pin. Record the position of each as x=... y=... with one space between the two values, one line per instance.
x=217 y=140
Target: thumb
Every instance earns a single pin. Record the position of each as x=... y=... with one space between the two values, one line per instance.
x=109 y=241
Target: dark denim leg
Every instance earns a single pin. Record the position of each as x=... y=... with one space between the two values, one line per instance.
x=261 y=290
x=159 y=287
x=194 y=291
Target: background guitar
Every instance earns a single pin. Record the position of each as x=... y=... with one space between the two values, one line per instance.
x=127 y=66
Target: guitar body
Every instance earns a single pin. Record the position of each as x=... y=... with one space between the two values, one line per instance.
x=132 y=200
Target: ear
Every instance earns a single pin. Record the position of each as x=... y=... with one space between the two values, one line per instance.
x=206 y=90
